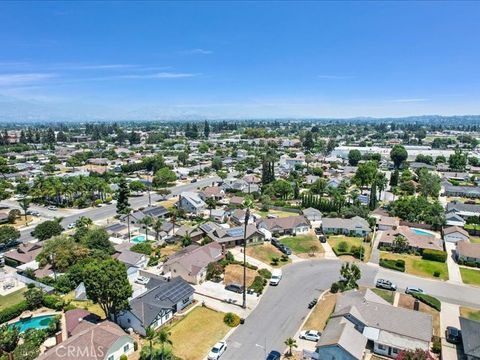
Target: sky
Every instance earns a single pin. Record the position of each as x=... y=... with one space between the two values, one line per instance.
x=188 y=60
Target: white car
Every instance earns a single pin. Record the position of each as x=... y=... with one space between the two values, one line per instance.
x=312 y=335
x=71 y=226
x=276 y=277
x=217 y=350
x=52 y=208
x=142 y=280
x=411 y=290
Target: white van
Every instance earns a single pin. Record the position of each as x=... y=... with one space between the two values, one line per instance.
x=276 y=277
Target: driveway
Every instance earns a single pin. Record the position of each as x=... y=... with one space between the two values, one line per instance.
x=329 y=253
x=217 y=291
x=449 y=316
x=375 y=256
x=453 y=268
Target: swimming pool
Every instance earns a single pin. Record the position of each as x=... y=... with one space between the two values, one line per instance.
x=38 y=322
x=422 y=232
x=138 y=239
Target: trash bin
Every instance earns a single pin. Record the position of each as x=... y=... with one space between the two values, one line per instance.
x=242 y=321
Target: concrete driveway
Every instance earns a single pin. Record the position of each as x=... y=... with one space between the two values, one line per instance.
x=449 y=316
x=217 y=291
x=453 y=268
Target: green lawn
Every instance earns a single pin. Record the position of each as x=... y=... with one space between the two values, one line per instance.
x=195 y=334
x=470 y=276
x=302 y=244
x=469 y=313
x=386 y=295
x=475 y=239
x=415 y=265
x=265 y=253
x=12 y=299
x=334 y=240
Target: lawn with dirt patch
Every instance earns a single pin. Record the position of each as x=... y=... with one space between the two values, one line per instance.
x=12 y=298
x=335 y=240
x=86 y=305
x=195 y=334
x=234 y=274
x=388 y=296
x=407 y=301
x=265 y=253
x=321 y=313
x=470 y=276
x=415 y=265
x=170 y=249
x=277 y=213
x=303 y=244
x=470 y=313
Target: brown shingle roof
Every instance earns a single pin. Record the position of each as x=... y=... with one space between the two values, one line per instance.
x=465 y=248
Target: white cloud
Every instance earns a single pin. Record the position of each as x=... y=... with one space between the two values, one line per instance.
x=23 y=78
x=198 y=51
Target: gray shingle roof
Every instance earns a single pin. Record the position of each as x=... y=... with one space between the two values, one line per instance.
x=470 y=337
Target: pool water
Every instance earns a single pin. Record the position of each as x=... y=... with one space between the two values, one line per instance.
x=422 y=232
x=38 y=322
x=138 y=239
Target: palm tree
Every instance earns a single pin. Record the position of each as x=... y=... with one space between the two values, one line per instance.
x=186 y=240
x=24 y=203
x=9 y=337
x=157 y=227
x=211 y=204
x=164 y=338
x=147 y=221
x=152 y=337
x=83 y=221
x=291 y=343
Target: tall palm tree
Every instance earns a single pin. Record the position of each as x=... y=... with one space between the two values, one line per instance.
x=291 y=343
x=211 y=204
x=9 y=337
x=164 y=338
x=24 y=203
x=83 y=221
x=147 y=221
x=157 y=227
x=152 y=337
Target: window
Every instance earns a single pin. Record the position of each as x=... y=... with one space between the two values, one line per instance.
x=110 y=357
x=185 y=301
x=381 y=347
x=126 y=348
x=395 y=351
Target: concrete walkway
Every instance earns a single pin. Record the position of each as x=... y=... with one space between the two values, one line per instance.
x=329 y=253
x=375 y=256
x=453 y=268
x=449 y=316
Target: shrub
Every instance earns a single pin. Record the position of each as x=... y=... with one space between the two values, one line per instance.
x=436 y=273
x=231 y=319
x=429 y=300
x=13 y=311
x=284 y=258
x=142 y=248
x=229 y=256
x=342 y=246
x=275 y=261
x=437 y=345
x=124 y=357
x=398 y=265
x=135 y=346
x=265 y=273
x=54 y=302
x=34 y=298
x=258 y=284
x=434 y=255
x=334 y=288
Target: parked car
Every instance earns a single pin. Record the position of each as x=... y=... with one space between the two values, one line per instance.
x=318 y=231
x=275 y=242
x=193 y=181
x=71 y=226
x=276 y=277
x=322 y=238
x=217 y=350
x=453 y=335
x=33 y=213
x=142 y=280
x=285 y=249
x=411 y=290
x=385 y=284
x=52 y=208
x=311 y=335
x=274 y=355
x=235 y=288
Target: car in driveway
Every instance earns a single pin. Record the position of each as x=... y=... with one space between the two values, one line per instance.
x=322 y=238
x=235 y=288
x=311 y=335
x=453 y=335
x=217 y=350
x=412 y=289
x=274 y=355
x=285 y=249
x=142 y=280
x=385 y=284
x=33 y=213
x=318 y=231
x=275 y=242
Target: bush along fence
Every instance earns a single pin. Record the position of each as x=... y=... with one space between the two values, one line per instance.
x=429 y=300
x=398 y=265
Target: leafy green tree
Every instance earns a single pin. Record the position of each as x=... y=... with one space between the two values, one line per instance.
x=400 y=244
x=350 y=273
x=206 y=129
x=395 y=175
x=182 y=158
x=9 y=337
x=354 y=157
x=457 y=161
x=97 y=239
x=48 y=229
x=398 y=154
x=107 y=285
x=8 y=233
x=33 y=297
x=429 y=184
x=62 y=252
x=164 y=338
x=163 y=177
x=308 y=142
x=137 y=186
x=365 y=174
x=123 y=206
x=24 y=203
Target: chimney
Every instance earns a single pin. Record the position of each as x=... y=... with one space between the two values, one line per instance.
x=416 y=305
x=58 y=337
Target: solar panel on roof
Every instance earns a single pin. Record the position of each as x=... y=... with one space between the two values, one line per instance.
x=235 y=232
x=207 y=227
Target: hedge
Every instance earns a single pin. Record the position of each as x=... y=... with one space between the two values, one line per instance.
x=13 y=311
x=434 y=255
x=398 y=265
x=53 y=302
x=429 y=300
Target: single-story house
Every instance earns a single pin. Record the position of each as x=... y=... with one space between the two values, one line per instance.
x=454 y=219
x=231 y=237
x=415 y=239
x=156 y=306
x=455 y=234
x=238 y=217
x=191 y=202
x=90 y=341
x=290 y=225
x=462 y=191
x=334 y=183
x=387 y=223
x=219 y=215
x=470 y=338
x=214 y=192
x=312 y=214
x=117 y=230
x=24 y=253
x=237 y=200
x=194 y=233
x=355 y=226
x=468 y=252
x=191 y=262
x=463 y=210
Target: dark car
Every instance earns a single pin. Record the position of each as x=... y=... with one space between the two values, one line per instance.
x=453 y=335
x=318 y=231
x=322 y=238
x=194 y=181
x=275 y=242
x=274 y=355
x=285 y=249
x=235 y=288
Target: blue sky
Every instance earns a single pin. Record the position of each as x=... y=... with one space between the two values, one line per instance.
x=156 y=60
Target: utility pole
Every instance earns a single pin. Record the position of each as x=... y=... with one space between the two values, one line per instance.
x=247 y=216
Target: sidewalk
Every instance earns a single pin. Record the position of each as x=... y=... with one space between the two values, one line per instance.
x=453 y=269
x=449 y=316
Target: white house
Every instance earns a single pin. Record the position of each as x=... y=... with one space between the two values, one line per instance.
x=455 y=234
x=191 y=202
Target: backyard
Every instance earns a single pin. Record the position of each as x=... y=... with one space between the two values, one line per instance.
x=303 y=244
x=415 y=265
x=321 y=313
x=335 y=240
x=475 y=239
x=86 y=305
x=195 y=334
x=470 y=276
x=265 y=253
x=12 y=298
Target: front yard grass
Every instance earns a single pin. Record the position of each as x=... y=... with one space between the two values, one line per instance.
x=234 y=274
x=86 y=305
x=406 y=301
x=475 y=239
x=194 y=335
x=415 y=265
x=334 y=240
x=470 y=276
x=470 y=313
x=12 y=298
x=321 y=313
x=303 y=244
x=388 y=296
x=265 y=253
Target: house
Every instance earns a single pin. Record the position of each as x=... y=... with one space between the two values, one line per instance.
x=363 y=317
x=117 y=230
x=134 y=261
x=154 y=212
x=355 y=226
x=90 y=341
x=237 y=200
x=156 y=306
x=75 y=318
x=191 y=202
x=191 y=262
x=463 y=210
x=453 y=219
x=238 y=217
x=455 y=234
x=312 y=214
x=334 y=183
x=219 y=215
x=24 y=253
x=387 y=223
x=417 y=239
x=231 y=237
x=468 y=252
x=212 y=192
x=470 y=338
x=290 y=225
x=310 y=179
x=462 y=191
x=194 y=233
